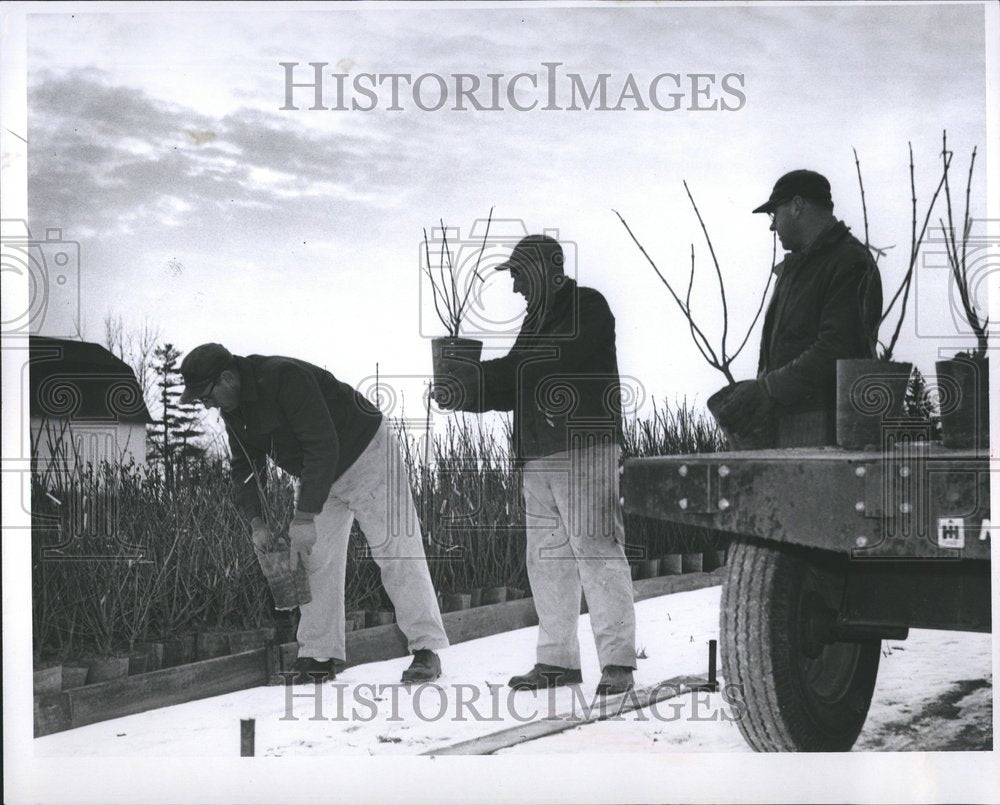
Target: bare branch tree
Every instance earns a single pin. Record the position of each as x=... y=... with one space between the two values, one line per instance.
x=979 y=322
x=721 y=360
x=135 y=346
x=902 y=293
x=445 y=290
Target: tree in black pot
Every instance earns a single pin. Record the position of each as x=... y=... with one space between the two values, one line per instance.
x=963 y=381
x=872 y=391
x=720 y=359
x=451 y=293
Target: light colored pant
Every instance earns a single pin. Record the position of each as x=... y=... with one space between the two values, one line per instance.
x=375 y=491
x=575 y=540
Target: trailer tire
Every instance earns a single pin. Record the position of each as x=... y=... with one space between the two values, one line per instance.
x=798 y=694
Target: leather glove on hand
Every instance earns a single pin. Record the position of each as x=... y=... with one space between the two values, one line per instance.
x=446 y=395
x=302 y=536
x=260 y=534
x=458 y=386
x=747 y=406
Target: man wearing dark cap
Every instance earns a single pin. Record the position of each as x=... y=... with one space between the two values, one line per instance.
x=561 y=381
x=342 y=451
x=826 y=305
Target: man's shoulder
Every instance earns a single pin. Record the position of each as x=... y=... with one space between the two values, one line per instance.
x=591 y=297
x=842 y=252
x=269 y=369
x=845 y=244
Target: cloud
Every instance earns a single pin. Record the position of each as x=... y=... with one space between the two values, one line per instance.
x=100 y=154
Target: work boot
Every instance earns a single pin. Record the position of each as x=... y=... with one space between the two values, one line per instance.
x=309 y=670
x=426 y=667
x=615 y=679
x=546 y=676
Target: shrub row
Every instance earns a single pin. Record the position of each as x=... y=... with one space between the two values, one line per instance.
x=121 y=555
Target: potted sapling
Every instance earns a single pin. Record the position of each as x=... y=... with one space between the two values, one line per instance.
x=763 y=434
x=454 y=357
x=289 y=585
x=872 y=391
x=963 y=381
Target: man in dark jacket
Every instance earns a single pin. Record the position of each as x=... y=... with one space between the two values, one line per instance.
x=561 y=381
x=347 y=461
x=826 y=305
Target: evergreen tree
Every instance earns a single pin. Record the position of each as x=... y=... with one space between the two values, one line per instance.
x=172 y=441
x=919 y=404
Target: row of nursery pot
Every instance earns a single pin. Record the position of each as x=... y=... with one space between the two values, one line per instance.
x=479 y=596
x=669 y=565
x=53 y=676
x=872 y=393
x=677 y=563
x=153 y=655
x=871 y=400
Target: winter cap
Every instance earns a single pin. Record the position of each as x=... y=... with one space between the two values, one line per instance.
x=535 y=250
x=805 y=183
x=201 y=368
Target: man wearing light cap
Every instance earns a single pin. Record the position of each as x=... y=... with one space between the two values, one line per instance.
x=561 y=381
x=826 y=305
x=337 y=444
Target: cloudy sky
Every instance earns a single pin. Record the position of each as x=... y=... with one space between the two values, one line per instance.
x=156 y=140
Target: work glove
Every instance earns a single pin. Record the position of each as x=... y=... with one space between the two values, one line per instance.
x=302 y=536
x=456 y=386
x=447 y=395
x=260 y=534
x=747 y=407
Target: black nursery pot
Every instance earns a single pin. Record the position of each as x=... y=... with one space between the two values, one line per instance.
x=761 y=438
x=964 y=393
x=455 y=366
x=870 y=395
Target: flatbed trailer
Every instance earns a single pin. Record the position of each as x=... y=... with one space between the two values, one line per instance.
x=832 y=552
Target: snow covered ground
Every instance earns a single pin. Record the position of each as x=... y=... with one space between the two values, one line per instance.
x=934 y=693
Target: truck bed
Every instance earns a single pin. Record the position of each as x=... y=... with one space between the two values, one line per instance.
x=915 y=500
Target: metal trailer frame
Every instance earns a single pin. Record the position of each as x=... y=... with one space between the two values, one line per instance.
x=833 y=550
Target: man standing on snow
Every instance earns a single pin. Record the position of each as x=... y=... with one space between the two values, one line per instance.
x=826 y=305
x=561 y=381
x=340 y=448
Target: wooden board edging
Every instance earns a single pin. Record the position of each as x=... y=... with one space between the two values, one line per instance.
x=89 y=704
x=137 y=694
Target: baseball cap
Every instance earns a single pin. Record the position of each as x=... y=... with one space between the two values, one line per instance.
x=805 y=183
x=201 y=368
x=535 y=249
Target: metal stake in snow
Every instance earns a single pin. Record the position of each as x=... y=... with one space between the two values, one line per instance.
x=246 y=737
x=712 y=680
x=712 y=683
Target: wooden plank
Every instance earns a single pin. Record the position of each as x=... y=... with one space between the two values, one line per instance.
x=375 y=644
x=48 y=680
x=469 y=624
x=612 y=707
x=185 y=683
x=668 y=585
x=379 y=643
x=52 y=713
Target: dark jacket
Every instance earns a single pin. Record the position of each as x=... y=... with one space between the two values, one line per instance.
x=560 y=378
x=312 y=426
x=826 y=305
